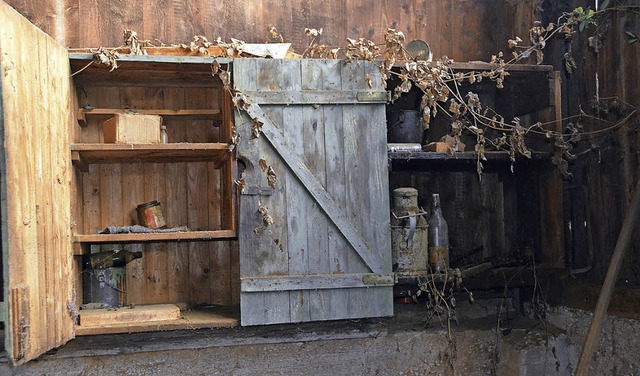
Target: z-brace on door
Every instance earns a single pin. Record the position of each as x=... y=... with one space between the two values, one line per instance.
x=314 y=206
x=35 y=169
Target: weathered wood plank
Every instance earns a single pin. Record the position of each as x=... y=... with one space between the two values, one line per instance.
x=133 y=195
x=85 y=154
x=228 y=173
x=141 y=313
x=176 y=213
x=155 y=236
x=254 y=254
x=220 y=267
x=272 y=76
x=61 y=192
x=159 y=111
x=493 y=222
x=298 y=201
x=371 y=172
x=338 y=247
x=313 y=122
x=189 y=320
x=316 y=282
x=155 y=256
x=351 y=75
x=46 y=253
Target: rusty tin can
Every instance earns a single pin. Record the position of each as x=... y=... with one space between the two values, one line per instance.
x=150 y=215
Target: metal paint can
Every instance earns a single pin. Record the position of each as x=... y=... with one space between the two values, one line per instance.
x=150 y=215
x=404 y=126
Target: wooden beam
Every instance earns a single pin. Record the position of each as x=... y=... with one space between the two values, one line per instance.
x=482 y=66
x=315 y=282
x=155 y=58
x=317 y=97
x=372 y=259
x=162 y=112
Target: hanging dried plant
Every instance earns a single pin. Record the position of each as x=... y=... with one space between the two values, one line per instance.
x=275 y=34
x=361 y=49
x=241 y=183
x=264 y=213
x=263 y=164
x=136 y=46
x=106 y=57
x=271 y=177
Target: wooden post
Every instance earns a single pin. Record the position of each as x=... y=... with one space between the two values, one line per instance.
x=612 y=273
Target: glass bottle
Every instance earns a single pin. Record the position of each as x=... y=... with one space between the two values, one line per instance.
x=438 y=238
x=163 y=134
x=109 y=259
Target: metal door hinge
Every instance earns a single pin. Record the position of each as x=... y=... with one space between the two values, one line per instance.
x=373 y=96
x=257 y=191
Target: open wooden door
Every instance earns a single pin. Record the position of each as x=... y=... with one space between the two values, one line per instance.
x=35 y=185
x=314 y=210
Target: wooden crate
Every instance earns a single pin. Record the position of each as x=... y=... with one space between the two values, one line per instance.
x=132 y=129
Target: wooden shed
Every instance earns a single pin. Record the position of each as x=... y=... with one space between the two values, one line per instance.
x=275 y=176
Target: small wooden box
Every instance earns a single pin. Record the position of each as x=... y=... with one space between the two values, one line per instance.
x=132 y=129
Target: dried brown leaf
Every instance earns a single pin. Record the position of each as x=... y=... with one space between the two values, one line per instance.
x=271 y=177
x=256 y=128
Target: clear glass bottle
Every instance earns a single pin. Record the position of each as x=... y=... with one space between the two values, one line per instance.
x=163 y=134
x=438 y=238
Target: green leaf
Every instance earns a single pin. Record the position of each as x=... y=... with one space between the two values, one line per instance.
x=580 y=10
x=582 y=25
x=590 y=13
x=604 y=5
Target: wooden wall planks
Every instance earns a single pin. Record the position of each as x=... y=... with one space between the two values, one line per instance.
x=190 y=194
x=609 y=172
x=460 y=29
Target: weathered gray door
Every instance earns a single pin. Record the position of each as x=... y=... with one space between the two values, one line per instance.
x=314 y=211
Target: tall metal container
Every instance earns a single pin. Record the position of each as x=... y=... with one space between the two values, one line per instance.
x=104 y=288
x=409 y=244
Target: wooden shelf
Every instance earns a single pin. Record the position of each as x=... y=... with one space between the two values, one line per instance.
x=462 y=155
x=466 y=159
x=484 y=66
x=84 y=154
x=154 y=236
x=207 y=112
x=80 y=239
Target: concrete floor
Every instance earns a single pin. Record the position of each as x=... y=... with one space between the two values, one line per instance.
x=391 y=346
